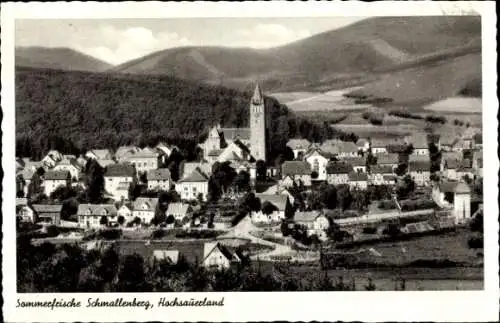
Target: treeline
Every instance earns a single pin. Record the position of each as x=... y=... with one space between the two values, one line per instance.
x=429 y=118
x=77 y=111
x=69 y=269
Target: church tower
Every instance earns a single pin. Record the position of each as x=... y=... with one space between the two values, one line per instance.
x=258 y=125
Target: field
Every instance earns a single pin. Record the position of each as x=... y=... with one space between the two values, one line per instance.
x=457 y=104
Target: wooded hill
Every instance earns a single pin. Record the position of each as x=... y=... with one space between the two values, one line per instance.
x=76 y=111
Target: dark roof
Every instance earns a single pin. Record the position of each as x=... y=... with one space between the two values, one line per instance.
x=295 y=168
x=47 y=208
x=355 y=161
x=158 y=174
x=396 y=148
x=298 y=143
x=358 y=177
x=419 y=166
x=391 y=158
x=120 y=170
x=338 y=168
x=235 y=133
x=378 y=169
x=57 y=175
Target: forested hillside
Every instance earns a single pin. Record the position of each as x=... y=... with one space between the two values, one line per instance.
x=75 y=111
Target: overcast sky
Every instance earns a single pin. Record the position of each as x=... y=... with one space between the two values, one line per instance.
x=119 y=40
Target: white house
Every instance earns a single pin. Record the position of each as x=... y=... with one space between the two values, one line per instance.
x=170 y=256
x=166 y=149
x=145 y=160
x=48 y=162
x=450 y=168
x=315 y=222
x=55 y=155
x=295 y=172
x=179 y=210
x=71 y=166
x=26 y=214
x=117 y=180
x=92 y=215
x=389 y=159
x=54 y=179
x=48 y=213
x=363 y=144
x=347 y=149
x=420 y=172
x=299 y=147
x=194 y=184
x=159 y=179
x=145 y=209
x=338 y=173
x=420 y=144
x=461 y=203
x=317 y=161
x=126 y=212
x=280 y=209
x=378 y=174
x=218 y=256
x=124 y=152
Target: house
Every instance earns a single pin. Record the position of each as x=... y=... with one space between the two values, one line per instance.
x=363 y=144
x=459 y=145
x=71 y=166
x=388 y=160
x=447 y=141
x=338 y=173
x=124 y=152
x=317 y=161
x=450 y=167
x=314 y=221
x=55 y=155
x=145 y=160
x=105 y=162
x=330 y=147
x=169 y=256
x=159 y=179
x=358 y=180
x=420 y=172
x=31 y=165
x=54 y=179
x=194 y=185
x=233 y=134
x=296 y=172
x=47 y=214
x=465 y=172
x=221 y=222
x=468 y=137
x=117 y=180
x=104 y=154
x=235 y=151
x=455 y=196
x=389 y=179
x=179 y=211
x=378 y=146
x=145 y=209
x=96 y=215
x=125 y=211
x=83 y=162
x=419 y=143
x=26 y=214
x=378 y=174
x=358 y=164
x=187 y=168
x=278 y=190
x=299 y=147
x=347 y=149
x=48 y=162
x=218 y=256
x=274 y=208
x=418 y=158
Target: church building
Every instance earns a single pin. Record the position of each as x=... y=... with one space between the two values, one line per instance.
x=244 y=143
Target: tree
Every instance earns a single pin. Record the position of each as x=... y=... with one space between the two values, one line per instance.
x=405 y=188
x=94 y=180
x=268 y=208
x=285 y=230
x=242 y=181
x=121 y=220
x=170 y=219
x=344 y=197
x=104 y=220
x=314 y=174
x=401 y=169
x=261 y=170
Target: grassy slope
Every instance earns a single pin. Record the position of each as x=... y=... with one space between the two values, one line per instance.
x=58 y=58
x=344 y=53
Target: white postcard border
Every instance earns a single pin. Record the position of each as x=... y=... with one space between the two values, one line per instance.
x=245 y=306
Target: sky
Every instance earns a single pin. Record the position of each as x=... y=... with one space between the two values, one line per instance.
x=118 y=40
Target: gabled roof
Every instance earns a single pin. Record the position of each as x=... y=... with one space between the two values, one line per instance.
x=338 y=168
x=418 y=158
x=355 y=161
x=358 y=177
x=447 y=187
x=69 y=162
x=97 y=209
x=347 y=147
x=228 y=252
x=158 y=174
x=452 y=164
x=462 y=188
x=362 y=142
x=236 y=133
x=165 y=148
x=120 y=170
x=56 y=175
x=149 y=202
x=188 y=168
x=418 y=140
x=419 y=166
x=330 y=147
x=101 y=153
x=298 y=144
x=316 y=150
x=197 y=175
x=105 y=162
x=126 y=151
x=388 y=159
x=215 y=152
x=295 y=168
x=278 y=200
x=178 y=208
x=308 y=216
x=47 y=208
x=27 y=174
x=147 y=152
x=449 y=155
x=380 y=169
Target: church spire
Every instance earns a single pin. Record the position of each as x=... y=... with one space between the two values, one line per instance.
x=257 y=95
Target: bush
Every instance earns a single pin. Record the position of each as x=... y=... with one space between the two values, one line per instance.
x=52 y=231
x=109 y=234
x=158 y=234
x=475 y=242
x=418 y=204
x=386 y=205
